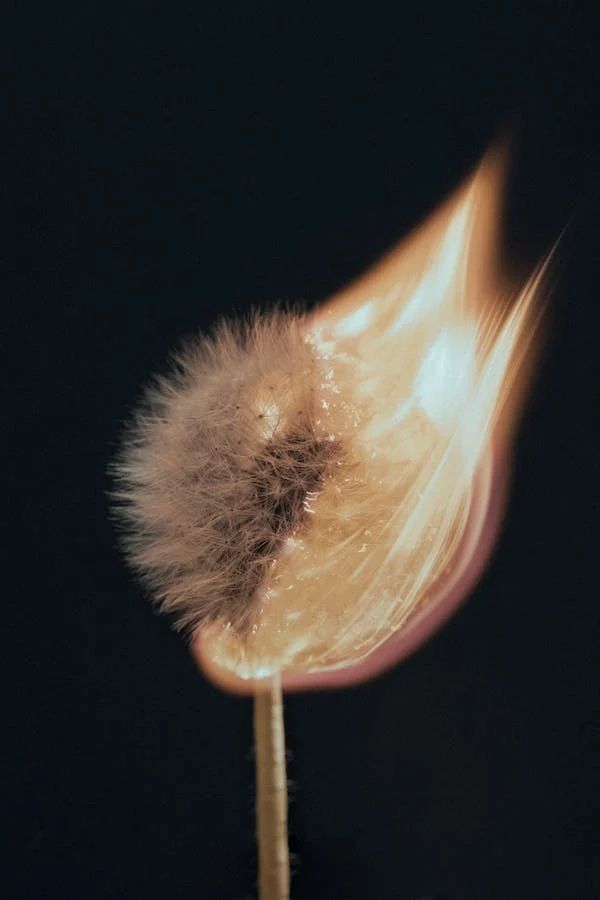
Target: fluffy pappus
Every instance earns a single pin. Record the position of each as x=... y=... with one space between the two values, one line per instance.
x=218 y=466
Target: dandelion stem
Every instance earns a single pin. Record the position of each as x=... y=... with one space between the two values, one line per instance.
x=271 y=794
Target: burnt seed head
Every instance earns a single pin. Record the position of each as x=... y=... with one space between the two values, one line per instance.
x=219 y=469
x=290 y=471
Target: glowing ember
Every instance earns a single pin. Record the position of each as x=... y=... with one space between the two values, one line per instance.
x=414 y=369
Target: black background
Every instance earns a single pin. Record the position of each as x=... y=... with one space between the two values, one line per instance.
x=171 y=164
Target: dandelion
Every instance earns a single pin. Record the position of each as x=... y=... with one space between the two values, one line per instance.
x=299 y=486
x=302 y=489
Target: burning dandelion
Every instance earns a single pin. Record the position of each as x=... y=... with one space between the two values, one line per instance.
x=310 y=496
x=301 y=488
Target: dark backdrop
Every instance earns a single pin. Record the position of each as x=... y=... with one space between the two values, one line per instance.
x=169 y=165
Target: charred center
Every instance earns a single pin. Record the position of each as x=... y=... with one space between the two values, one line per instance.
x=289 y=471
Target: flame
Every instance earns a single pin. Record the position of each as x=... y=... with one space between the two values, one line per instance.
x=422 y=363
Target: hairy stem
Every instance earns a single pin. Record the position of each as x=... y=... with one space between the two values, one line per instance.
x=271 y=794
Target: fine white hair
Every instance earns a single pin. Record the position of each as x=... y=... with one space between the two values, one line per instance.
x=216 y=466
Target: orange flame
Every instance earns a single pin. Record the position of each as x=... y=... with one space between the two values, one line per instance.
x=422 y=365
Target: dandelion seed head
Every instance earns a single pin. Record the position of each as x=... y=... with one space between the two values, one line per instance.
x=219 y=467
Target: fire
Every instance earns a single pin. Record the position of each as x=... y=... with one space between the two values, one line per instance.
x=421 y=377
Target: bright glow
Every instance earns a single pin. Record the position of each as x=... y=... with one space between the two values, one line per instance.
x=437 y=280
x=356 y=321
x=421 y=363
x=444 y=383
